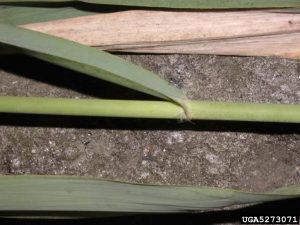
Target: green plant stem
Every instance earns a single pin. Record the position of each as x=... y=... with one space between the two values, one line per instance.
x=199 y=110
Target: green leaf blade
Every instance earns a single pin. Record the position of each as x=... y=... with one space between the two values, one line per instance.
x=90 y=61
x=54 y=193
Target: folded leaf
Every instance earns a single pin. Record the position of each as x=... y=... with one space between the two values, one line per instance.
x=252 y=33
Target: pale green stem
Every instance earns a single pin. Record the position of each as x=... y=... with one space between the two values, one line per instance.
x=199 y=110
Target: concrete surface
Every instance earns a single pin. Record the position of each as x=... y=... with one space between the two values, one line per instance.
x=249 y=156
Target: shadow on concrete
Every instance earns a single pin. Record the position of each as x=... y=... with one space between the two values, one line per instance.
x=41 y=71
x=144 y=124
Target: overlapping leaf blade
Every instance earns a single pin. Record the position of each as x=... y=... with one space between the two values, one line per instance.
x=20 y=14
x=89 y=61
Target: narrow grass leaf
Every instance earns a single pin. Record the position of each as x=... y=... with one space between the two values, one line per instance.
x=191 y=4
x=54 y=193
x=89 y=61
